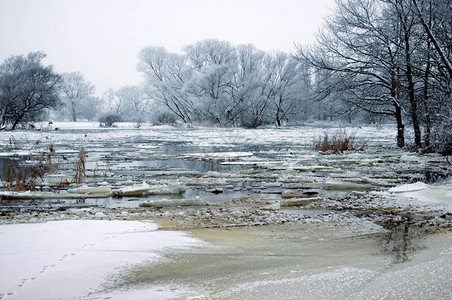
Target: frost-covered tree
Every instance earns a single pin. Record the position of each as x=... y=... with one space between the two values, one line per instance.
x=216 y=82
x=249 y=103
x=166 y=75
x=287 y=85
x=357 y=58
x=112 y=102
x=27 y=89
x=135 y=104
x=129 y=102
x=213 y=64
x=75 y=91
x=90 y=108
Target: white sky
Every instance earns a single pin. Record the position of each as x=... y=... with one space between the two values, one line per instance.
x=102 y=38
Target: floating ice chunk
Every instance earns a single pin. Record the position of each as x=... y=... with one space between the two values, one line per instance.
x=221 y=154
x=55 y=179
x=418 y=186
x=439 y=195
x=75 y=193
x=38 y=195
x=144 y=189
x=298 y=201
x=144 y=146
x=100 y=215
x=136 y=190
x=343 y=185
x=173 y=202
x=409 y=158
x=174 y=189
x=90 y=190
x=194 y=181
x=214 y=174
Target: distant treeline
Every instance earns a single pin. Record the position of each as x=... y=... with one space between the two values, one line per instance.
x=373 y=60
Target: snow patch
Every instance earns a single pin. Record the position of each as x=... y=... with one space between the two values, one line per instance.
x=71 y=259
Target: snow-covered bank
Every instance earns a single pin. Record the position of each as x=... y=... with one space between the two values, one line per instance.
x=73 y=259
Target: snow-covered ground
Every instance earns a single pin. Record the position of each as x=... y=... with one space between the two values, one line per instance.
x=75 y=259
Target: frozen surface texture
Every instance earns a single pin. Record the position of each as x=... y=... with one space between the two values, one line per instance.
x=73 y=259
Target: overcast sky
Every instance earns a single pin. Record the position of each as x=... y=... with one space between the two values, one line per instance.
x=102 y=38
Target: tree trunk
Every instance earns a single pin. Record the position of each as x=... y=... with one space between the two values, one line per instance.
x=400 y=126
x=278 y=110
x=74 y=113
x=398 y=108
x=414 y=109
x=17 y=121
x=278 y=118
x=428 y=121
x=411 y=91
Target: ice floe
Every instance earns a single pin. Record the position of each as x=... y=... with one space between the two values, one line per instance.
x=418 y=186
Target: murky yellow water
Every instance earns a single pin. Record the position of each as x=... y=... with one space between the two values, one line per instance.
x=238 y=263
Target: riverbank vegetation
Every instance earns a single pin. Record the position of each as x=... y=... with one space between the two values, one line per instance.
x=373 y=61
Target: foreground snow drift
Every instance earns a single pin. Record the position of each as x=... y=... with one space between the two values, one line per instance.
x=72 y=259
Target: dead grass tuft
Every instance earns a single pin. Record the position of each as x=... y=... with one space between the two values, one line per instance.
x=80 y=171
x=338 y=143
x=24 y=177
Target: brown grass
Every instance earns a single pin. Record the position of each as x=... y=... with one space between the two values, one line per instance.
x=338 y=143
x=80 y=171
x=12 y=143
x=26 y=176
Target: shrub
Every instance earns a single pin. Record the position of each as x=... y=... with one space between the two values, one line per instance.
x=109 y=120
x=165 y=118
x=338 y=143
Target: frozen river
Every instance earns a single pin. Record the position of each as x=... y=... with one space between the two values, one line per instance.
x=250 y=214
x=216 y=164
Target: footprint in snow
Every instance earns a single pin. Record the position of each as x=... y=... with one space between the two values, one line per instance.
x=6 y=294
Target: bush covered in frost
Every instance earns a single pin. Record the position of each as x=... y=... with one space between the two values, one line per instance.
x=165 y=118
x=109 y=120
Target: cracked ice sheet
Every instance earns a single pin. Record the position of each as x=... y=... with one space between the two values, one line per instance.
x=72 y=259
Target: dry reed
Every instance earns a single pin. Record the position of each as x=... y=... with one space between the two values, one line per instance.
x=338 y=143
